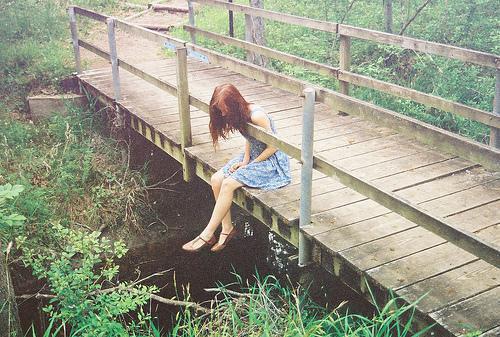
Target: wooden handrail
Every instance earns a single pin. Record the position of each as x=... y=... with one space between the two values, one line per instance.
x=479 y=115
x=463 y=54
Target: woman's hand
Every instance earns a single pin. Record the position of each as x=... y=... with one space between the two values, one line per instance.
x=237 y=166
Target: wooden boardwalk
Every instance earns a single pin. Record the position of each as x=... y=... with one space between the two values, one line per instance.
x=354 y=238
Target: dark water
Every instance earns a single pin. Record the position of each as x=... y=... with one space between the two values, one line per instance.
x=184 y=213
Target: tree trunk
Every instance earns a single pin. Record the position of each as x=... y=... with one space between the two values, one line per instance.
x=9 y=317
x=254 y=32
x=388 y=15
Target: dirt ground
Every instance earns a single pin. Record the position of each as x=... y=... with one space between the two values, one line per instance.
x=131 y=48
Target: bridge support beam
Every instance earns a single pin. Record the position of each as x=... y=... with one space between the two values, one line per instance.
x=188 y=169
x=306 y=158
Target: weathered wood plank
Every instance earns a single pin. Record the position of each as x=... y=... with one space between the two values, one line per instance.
x=447 y=185
x=479 y=313
x=452 y=287
x=464 y=200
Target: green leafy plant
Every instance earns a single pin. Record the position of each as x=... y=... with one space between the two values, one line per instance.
x=10 y=223
x=81 y=272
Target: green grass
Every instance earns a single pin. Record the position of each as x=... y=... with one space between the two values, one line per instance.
x=266 y=308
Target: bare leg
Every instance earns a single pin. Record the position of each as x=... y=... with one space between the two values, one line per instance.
x=216 y=182
x=222 y=206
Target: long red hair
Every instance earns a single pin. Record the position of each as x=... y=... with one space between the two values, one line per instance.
x=229 y=112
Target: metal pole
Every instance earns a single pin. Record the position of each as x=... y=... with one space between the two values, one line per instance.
x=231 y=21
x=74 y=38
x=191 y=20
x=184 y=111
x=494 y=132
x=113 y=57
x=306 y=157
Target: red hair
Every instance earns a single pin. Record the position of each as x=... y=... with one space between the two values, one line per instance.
x=229 y=112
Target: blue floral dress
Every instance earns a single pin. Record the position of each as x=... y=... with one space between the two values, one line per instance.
x=272 y=173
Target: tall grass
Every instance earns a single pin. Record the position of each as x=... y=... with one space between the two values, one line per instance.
x=266 y=308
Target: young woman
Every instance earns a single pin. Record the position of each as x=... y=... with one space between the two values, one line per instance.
x=259 y=166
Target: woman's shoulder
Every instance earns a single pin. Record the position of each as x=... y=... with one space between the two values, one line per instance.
x=256 y=108
x=259 y=116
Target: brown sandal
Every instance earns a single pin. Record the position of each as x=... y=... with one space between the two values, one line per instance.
x=205 y=244
x=218 y=246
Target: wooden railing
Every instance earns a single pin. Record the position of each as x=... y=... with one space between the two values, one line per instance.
x=347 y=77
x=463 y=239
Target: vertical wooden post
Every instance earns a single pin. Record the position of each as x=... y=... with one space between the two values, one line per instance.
x=191 y=20
x=345 y=61
x=231 y=21
x=184 y=112
x=113 y=57
x=74 y=38
x=494 y=132
x=306 y=157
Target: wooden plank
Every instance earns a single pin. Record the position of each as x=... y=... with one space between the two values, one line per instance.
x=491 y=234
x=426 y=263
x=468 y=219
x=379 y=156
x=401 y=165
x=90 y=14
x=448 y=51
x=464 y=200
x=447 y=185
x=352 y=235
x=269 y=52
x=479 y=313
x=361 y=148
x=451 y=287
x=475 y=114
x=276 y=16
x=423 y=174
x=396 y=246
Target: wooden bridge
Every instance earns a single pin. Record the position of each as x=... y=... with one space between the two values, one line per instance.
x=397 y=206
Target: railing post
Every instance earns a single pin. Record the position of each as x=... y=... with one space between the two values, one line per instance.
x=306 y=157
x=113 y=58
x=345 y=61
x=74 y=38
x=184 y=112
x=494 y=132
x=191 y=20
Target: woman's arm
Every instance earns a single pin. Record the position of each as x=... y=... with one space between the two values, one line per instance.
x=246 y=159
x=262 y=120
